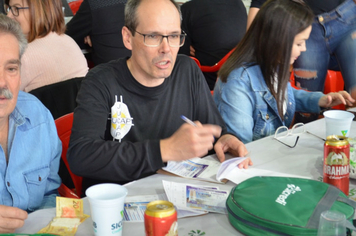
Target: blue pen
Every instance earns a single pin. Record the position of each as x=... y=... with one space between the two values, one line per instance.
x=187 y=120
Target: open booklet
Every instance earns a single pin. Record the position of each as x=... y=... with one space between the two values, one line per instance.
x=201 y=198
x=210 y=169
x=206 y=168
x=135 y=207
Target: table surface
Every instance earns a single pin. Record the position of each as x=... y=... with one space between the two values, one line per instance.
x=306 y=159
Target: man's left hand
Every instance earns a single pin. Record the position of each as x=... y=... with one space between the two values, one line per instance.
x=229 y=143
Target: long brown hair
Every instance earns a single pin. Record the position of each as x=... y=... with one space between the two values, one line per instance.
x=45 y=16
x=268 y=43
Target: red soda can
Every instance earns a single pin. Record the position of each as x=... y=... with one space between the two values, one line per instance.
x=336 y=169
x=161 y=219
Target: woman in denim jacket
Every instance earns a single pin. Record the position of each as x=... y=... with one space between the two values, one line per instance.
x=253 y=93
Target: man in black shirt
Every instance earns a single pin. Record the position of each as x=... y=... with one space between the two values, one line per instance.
x=127 y=124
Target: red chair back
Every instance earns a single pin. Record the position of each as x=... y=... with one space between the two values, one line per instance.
x=74 y=6
x=218 y=65
x=64 y=129
x=196 y=61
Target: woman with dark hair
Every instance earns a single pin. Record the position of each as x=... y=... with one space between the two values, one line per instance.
x=253 y=93
x=331 y=46
x=51 y=55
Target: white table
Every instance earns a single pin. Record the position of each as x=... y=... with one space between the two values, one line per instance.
x=303 y=160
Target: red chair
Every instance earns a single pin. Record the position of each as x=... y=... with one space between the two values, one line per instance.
x=196 y=61
x=218 y=65
x=215 y=67
x=333 y=83
x=74 y=6
x=64 y=129
x=64 y=191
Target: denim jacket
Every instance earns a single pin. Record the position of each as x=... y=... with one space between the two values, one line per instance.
x=249 y=109
x=30 y=179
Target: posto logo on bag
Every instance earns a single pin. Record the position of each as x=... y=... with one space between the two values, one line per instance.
x=291 y=189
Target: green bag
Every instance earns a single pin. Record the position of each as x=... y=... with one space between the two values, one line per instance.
x=268 y=205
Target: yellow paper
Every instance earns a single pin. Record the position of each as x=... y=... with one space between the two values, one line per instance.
x=69 y=215
x=62 y=226
x=69 y=207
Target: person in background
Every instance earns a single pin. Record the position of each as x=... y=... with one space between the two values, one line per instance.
x=98 y=24
x=30 y=149
x=128 y=124
x=2 y=9
x=51 y=55
x=331 y=46
x=67 y=10
x=253 y=93
x=213 y=29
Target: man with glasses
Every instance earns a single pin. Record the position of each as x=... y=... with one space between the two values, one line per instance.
x=128 y=121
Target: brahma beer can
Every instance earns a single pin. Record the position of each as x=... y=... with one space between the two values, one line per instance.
x=337 y=162
x=161 y=219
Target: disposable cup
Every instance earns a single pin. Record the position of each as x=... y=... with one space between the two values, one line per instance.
x=338 y=122
x=332 y=223
x=107 y=208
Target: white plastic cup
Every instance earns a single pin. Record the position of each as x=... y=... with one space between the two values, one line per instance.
x=338 y=122
x=107 y=208
x=332 y=223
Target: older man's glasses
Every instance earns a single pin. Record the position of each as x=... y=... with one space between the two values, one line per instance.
x=154 y=40
x=14 y=10
x=283 y=132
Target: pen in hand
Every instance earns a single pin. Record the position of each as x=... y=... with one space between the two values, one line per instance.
x=191 y=122
x=187 y=120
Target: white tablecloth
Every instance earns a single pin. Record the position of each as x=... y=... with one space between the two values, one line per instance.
x=306 y=159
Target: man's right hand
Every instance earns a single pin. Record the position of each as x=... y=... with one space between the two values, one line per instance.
x=11 y=218
x=189 y=141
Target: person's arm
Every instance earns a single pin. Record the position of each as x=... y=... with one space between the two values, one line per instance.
x=236 y=105
x=185 y=49
x=254 y=8
x=53 y=179
x=80 y=25
x=208 y=112
x=197 y=141
x=334 y=99
x=11 y=218
x=251 y=15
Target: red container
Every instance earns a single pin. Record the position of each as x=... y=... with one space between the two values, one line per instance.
x=336 y=169
x=161 y=219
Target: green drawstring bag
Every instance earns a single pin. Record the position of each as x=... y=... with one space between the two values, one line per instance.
x=266 y=205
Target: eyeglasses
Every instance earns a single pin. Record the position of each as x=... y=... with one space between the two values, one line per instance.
x=14 y=9
x=154 y=40
x=283 y=131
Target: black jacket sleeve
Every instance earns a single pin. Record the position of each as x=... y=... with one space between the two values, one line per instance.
x=2 y=6
x=80 y=25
